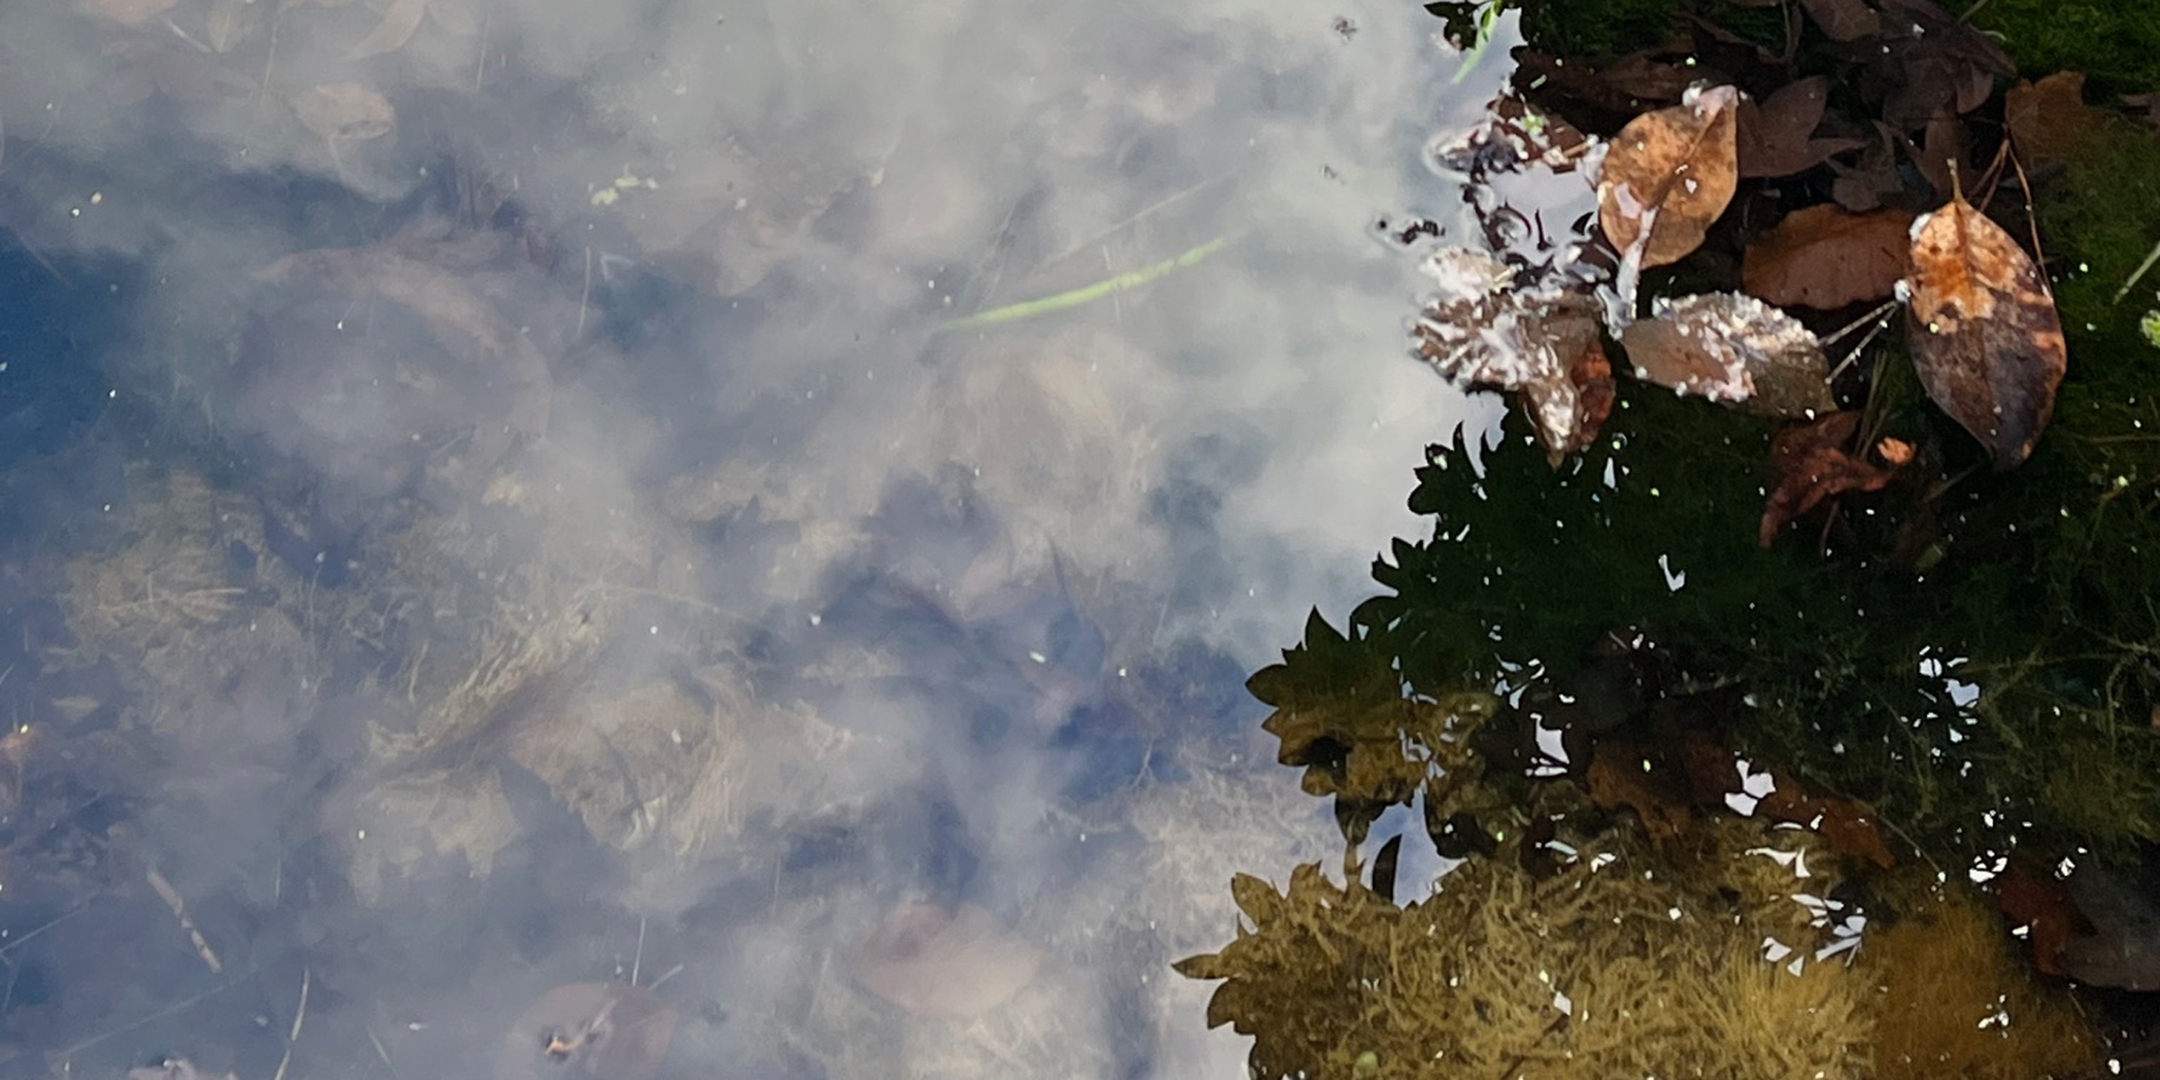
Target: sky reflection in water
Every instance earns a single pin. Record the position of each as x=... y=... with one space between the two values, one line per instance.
x=972 y=609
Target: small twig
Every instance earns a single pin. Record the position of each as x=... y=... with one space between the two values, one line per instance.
x=1881 y=324
x=637 y=959
x=381 y=1051
x=178 y=905
x=665 y=976
x=584 y=297
x=299 y=1018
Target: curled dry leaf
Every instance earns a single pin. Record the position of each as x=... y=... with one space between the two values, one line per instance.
x=945 y=964
x=1733 y=348
x=1541 y=342
x=1683 y=163
x=1826 y=257
x=402 y=18
x=589 y=1031
x=1986 y=339
x=1813 y=463
x=344 y=111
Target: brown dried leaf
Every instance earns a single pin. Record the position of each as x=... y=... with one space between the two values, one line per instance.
x=1944 y=154
x=2048 y=120
x=1683 y=162
x=1986 y=339
x=1544 y=343
x=1732 y=348
x=1776 y=138
x=1721 y=778
x=950 y=965
x=1824 y=257
x=1813 y=463
x=344 y=111
x=600 y=1031
x=1623 y=774
x=1934 y=64
x=1844 y=20
x=126 y=12
x=399 y=21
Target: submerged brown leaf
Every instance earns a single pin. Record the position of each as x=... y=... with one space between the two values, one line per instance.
x=1732 y=348
x=946 y=964
x=1681 y=162
x=1815 y=462
x=1541 y=342
x=465 y=323
x=1825 y=257
x=2049 y=120
x=1986 y=339
x=345 y=111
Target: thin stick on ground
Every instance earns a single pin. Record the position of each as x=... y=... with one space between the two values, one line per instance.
x=178 y=905
x=299 y=1018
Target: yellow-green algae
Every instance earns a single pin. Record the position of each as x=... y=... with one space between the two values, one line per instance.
x=1625 y=963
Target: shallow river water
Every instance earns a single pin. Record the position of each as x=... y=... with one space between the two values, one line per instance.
x=504 y=525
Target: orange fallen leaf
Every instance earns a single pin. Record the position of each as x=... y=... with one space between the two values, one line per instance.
x=1986 y=339
x=1681 y=162
x=1825 y=257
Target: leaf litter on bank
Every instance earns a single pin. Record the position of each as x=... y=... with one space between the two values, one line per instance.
x=1986 y=339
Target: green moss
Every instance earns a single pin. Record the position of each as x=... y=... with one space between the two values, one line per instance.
x=2116 y=43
